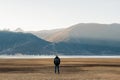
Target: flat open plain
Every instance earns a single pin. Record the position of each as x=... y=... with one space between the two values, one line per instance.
x=70 y=69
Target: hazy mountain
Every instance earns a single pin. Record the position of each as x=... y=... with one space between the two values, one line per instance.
x=45 y=34
x=80 y=39
x=25 y=43
x=18 y=30
x=90 y=38
x=87 y=31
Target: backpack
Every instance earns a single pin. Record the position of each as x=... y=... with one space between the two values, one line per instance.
x=57 y=61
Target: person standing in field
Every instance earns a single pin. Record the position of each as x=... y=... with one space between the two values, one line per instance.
x=57 y=63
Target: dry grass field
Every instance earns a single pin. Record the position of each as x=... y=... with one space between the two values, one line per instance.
x=70 y=69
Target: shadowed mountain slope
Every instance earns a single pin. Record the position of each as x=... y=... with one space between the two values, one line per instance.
x=25 y=43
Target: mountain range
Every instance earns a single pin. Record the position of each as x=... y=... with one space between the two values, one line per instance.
x=79 y=39
x=22 y=43
x=86 y=38
x=82 y=30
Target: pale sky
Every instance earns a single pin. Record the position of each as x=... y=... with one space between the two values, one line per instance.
x=34 y=15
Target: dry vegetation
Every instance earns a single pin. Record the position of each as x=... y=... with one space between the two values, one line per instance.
x=71 y=69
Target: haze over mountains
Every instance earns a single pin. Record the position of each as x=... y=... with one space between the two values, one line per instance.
x=89 y=38
x=45 y=34
x=82 y=30
x=79 y=39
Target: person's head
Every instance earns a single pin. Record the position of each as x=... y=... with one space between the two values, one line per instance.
x=57 y=56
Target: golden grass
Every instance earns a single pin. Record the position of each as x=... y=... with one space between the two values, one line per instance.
x=71 y=69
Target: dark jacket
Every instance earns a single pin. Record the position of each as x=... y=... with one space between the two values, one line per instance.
x=56 y=60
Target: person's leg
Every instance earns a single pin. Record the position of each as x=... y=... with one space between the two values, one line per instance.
x=55 y=69
x=58 y=70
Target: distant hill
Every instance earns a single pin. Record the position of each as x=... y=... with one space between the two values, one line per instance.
x=88 y=31
x=25 y=43
x=45 y=34
x=87 y=38
x=79 y=39
x=18 y=30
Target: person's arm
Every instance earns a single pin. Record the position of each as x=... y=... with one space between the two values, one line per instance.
x=54 y=61
x=59 y=60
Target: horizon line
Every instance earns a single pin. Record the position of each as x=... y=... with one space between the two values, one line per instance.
x=8 y=29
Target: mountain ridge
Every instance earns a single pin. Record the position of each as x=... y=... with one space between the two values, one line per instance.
x=18 y=42
x=91 y=30
x=79 y=39
x=86 y=38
